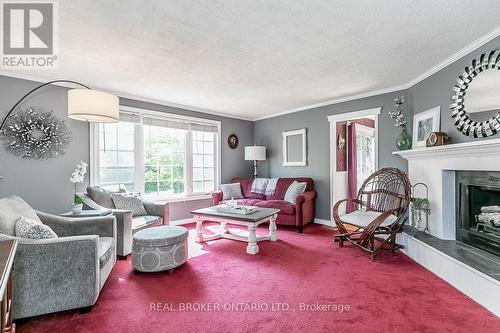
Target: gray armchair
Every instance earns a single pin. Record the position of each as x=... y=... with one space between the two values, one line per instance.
x=126 y=224
x=58 y=274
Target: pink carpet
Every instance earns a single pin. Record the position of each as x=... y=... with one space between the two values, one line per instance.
x=392 y=294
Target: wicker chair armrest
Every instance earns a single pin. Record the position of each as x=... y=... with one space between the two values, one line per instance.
x=336 y=216
x=340 y=202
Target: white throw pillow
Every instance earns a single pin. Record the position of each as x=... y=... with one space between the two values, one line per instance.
x=294 y=190
x=231 y=191
x=129 y=202
x=33 y=229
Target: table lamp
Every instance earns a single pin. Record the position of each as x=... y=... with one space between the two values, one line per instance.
x=255 y=153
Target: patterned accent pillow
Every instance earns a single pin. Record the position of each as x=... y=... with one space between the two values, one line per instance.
x=231 y=191
x=33 y=229
x=129 y=202
x=294 y=190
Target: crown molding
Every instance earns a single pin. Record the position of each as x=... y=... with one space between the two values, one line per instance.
x=456 y=56
x=446 y=62
x=128 y=96
x=333 y=101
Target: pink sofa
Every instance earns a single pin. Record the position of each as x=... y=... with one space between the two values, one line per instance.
x=298 y=215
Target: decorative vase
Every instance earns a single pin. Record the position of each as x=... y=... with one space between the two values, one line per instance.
x=77 y=208
x=403 y=140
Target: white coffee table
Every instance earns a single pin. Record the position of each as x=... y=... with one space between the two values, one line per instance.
x=251 y=221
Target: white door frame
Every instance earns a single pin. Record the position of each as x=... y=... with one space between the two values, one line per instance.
x=334 y=119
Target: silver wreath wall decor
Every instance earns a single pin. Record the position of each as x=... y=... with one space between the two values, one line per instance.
x=35 y=134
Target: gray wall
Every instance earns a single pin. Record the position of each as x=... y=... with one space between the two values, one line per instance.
x=45 y=183
x=436 y=91
x=267 y=132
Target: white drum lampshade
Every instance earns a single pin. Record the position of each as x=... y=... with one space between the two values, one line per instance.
x=93 y=106
x=255 y=153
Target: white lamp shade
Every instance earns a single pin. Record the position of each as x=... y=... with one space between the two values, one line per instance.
x=93 y=106
x=255 y=153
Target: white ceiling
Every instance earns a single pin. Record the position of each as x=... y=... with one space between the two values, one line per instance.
x=253 y=59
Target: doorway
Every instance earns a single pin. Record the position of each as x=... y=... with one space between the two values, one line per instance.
x=353 y=153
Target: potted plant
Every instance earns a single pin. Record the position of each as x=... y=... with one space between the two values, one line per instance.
x=403 y=140
x=418 y=206
x=77 y=177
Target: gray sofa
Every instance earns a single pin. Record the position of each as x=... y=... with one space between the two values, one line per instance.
x=58 y=274
x=158 y=214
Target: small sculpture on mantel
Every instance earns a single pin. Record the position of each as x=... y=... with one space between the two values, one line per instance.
x=403 y=140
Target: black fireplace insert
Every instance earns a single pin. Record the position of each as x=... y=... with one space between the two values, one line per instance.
x=478 y=209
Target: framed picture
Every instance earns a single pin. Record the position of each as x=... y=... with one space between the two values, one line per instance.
x=295 y=148
x=424 y=123
x=232 y=141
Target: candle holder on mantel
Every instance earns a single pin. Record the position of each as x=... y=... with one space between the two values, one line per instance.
x=419 y=205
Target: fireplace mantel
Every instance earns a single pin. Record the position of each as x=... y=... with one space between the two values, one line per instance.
x=473 y=148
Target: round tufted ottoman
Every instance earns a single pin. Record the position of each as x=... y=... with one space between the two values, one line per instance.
x=159 y=248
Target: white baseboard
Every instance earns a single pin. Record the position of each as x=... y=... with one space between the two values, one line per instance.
x=475 y=284
x=323 y=222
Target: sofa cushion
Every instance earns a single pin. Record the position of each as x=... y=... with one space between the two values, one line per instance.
x=100 y=196
x=129 y=202
x=246 y=202
x=246 y=188
x=362 y=218
x=11 y=208
x=105 y=250
x=284 y=206
x=231 y=191
x=33 y=229
x=284 y=183
x=142 y=221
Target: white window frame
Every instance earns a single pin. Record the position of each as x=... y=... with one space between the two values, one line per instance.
x=139 y=147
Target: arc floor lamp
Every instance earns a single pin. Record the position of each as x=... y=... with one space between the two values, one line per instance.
x=84 y=104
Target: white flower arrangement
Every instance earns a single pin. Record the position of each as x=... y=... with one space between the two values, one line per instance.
x=78 y=176
x=397 y=115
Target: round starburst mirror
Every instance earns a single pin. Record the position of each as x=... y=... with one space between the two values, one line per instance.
x=475 y=107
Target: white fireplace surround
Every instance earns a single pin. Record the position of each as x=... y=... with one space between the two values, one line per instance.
x=436 y=167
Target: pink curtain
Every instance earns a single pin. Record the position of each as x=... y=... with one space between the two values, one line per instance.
x=351 y=166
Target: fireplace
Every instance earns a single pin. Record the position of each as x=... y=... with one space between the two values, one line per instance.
x=478 y=209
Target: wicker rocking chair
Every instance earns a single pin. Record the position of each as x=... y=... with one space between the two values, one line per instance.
x=382 y=209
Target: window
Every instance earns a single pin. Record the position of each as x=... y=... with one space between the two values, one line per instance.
x=116 y=155
x=203 y=161
x=157 y=154
x=164 y=156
